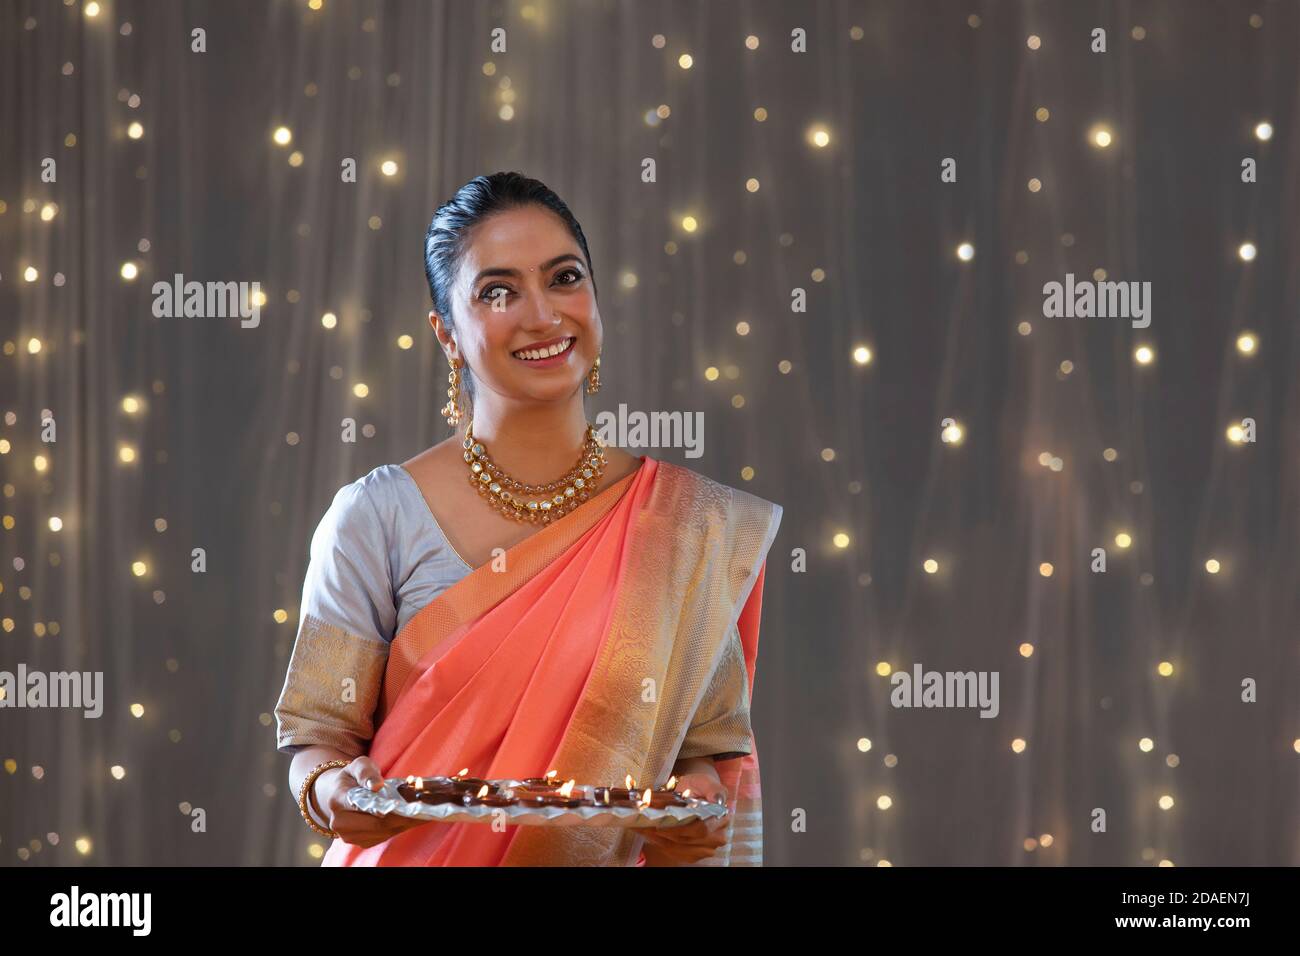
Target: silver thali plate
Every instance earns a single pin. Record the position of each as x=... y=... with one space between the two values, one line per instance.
x=387 y=800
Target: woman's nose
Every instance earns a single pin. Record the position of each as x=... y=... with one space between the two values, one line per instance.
x=540 y=312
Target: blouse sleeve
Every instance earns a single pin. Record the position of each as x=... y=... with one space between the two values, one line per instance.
x=345 y=625
x=721 y=727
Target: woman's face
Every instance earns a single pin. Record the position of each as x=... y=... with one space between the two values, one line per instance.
x=521 y=290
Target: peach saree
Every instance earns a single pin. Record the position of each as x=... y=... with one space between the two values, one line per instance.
x=594 y=647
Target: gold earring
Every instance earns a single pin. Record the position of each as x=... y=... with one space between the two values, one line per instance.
x=451 y=411
x=593 y=377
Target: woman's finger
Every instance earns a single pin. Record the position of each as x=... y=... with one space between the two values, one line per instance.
x=366 y=772
x=354 y=826
x=679 y=856
x=688 y=835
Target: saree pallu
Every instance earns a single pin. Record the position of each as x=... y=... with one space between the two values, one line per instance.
x=589 y=653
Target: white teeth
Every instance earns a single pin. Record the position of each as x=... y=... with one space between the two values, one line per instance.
x=534 y=354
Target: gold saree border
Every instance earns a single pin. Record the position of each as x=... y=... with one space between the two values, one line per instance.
x=483 y=588
x=696 y=547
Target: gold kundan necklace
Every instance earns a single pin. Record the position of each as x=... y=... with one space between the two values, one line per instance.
x=534 y=502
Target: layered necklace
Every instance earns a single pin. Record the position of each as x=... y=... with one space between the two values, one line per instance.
x=534 y=503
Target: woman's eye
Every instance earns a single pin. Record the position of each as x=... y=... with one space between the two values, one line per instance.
x=491 y=292
x=569 y=272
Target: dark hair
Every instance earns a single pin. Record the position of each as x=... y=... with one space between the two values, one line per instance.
x=481 y=197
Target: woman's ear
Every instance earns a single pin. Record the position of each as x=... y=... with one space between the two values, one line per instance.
x=444 y=338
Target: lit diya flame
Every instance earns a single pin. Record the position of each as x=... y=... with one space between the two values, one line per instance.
x=629 y=782
x=645 y=797
x=482 y=792
x=550 y=774
x=567 y=788
x=686 y=792
x=672 y=783
x=463 y=771
x=417 y=782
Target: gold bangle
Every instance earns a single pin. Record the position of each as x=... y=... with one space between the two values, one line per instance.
x=305 y=789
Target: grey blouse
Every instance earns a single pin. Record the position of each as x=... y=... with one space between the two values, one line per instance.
x=378 y=556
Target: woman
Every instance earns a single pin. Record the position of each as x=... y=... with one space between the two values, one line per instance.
x=521 y=598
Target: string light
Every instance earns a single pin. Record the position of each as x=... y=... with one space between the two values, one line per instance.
x=819 y=136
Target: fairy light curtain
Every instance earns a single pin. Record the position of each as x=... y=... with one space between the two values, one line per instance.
x=947 y=456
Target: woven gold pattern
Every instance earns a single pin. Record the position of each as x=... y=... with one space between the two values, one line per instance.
x=316 y=707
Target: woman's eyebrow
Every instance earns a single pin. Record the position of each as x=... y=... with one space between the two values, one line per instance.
x=514 y=272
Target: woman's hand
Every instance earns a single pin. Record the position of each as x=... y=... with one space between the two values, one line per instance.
x=692 y=842
x=352 y=825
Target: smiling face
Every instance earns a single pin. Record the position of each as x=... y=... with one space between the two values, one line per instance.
x=523 y=291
